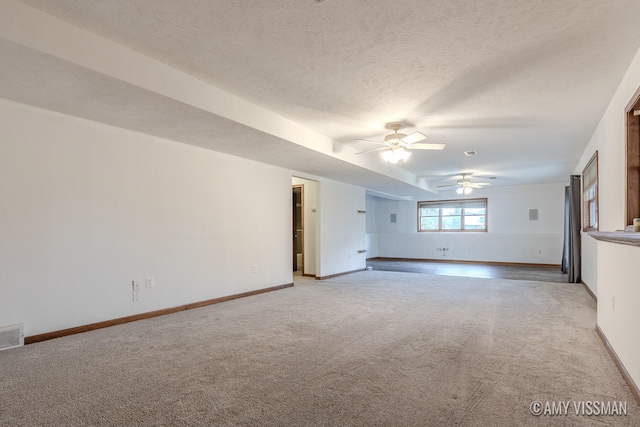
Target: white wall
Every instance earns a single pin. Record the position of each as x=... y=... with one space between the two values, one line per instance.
x=342 y=229
x=311 y=223
x=86 y=208
x=371 y=232
x=589 y=272
x=619 y=302
x=511 y=236
x=616 y=282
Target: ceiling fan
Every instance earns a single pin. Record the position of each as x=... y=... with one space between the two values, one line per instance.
x=464 y=185
x=396 y=145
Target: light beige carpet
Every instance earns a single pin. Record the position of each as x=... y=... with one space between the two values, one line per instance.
x=372 y=348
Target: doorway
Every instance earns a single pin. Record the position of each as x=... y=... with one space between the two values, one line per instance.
x=305 y=226
x=298 y=227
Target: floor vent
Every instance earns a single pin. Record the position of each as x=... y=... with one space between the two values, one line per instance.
x=11 y=336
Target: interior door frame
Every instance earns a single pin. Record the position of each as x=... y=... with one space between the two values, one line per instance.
x=295 y=230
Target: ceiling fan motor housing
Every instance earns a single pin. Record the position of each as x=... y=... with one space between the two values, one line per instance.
x=394 y=137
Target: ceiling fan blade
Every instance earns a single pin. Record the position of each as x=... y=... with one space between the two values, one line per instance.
x=375 y=149
x=414 y=137
x=448 y=186
x=373 y=142
x=479 y=184
x=424 y=146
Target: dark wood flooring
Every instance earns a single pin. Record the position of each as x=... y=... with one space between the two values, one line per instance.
x=513 y=272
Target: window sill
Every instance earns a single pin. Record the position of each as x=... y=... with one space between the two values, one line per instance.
x=453 y=231
x=620 y=237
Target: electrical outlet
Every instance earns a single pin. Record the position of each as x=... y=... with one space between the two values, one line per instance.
x=136 y=285
x=254 y=268
x=613 y=302
x=149 y=282
x=136 y=296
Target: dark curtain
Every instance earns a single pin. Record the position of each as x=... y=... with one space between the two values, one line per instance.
x=571 y=254
x=565 y=249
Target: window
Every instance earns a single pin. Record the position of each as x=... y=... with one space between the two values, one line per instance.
x=590 y=195
x=453 y=215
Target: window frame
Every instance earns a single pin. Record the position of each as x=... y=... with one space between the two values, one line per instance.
x=421 y=204
x=632 y=159
x=590 y=169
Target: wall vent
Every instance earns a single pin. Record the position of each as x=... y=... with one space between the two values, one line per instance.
x=11 y=336
x=533 y=214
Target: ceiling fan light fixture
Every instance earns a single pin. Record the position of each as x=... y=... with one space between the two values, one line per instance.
x=395 y=155
x=464 y=190
x=388 y=156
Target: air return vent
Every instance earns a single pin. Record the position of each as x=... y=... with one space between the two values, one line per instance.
x=11 y=336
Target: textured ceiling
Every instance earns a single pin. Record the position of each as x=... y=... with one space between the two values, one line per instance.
x=523 y=83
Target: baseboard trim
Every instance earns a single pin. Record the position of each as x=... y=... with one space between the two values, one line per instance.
x=625 y=374
x=515 y=264
x=309 y=275
x=331 y=276
x=595 y=298
x=121 y=320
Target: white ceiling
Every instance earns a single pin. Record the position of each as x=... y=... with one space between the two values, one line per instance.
x=523 y=83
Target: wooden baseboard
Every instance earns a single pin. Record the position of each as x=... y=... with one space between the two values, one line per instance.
x=515 y=264
x=119 y=321
x=595 y=298
x=331 y=276
x=625 y=374
x=309 y=275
